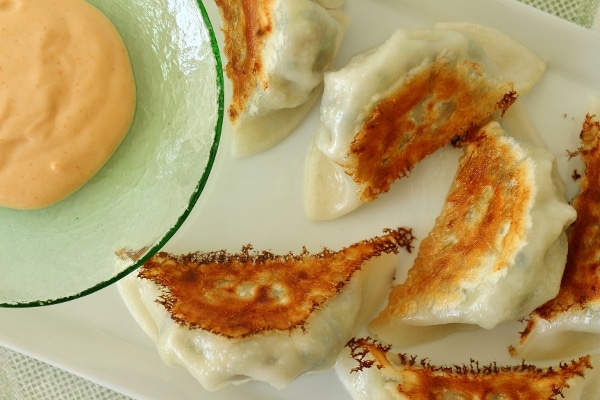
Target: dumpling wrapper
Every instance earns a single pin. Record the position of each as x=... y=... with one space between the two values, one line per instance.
x=278 y=51
x=569 y=324
x=371 y=371
x=393 y=105
x=258 y=316
x=502 y=227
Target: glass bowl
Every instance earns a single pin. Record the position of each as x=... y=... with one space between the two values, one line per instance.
x=146 y=190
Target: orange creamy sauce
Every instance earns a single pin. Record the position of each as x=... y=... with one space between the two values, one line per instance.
x=67 y=98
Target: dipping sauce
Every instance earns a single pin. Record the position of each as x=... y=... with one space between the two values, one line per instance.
x=67 y=98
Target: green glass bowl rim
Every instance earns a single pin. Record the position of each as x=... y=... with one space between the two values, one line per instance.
x=193 y=198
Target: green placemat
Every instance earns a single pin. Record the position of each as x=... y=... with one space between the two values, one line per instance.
x=581 y=12
x=24 y=378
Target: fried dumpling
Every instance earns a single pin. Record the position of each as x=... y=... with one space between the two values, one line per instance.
x=230 y=318
x=395 y=104
x=371 y=371
x=501 y=228
x=277 y=52
x=569 y=324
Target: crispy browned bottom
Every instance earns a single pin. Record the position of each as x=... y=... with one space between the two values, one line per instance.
x=441 y=103
x=236 y=295
x=246 y=26
x=419 y=379
x=492 y=186
x=580 y=284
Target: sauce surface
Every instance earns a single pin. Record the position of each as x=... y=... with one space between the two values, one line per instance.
x=67 y=98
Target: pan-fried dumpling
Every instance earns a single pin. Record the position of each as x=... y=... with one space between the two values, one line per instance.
x=277 y=52
x=569 y=324
x=500 y=230
x=393 y=105
x=257 y=316
x=369 y=370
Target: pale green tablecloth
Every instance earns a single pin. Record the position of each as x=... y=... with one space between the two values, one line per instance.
x=581 y=12
x=24 y=378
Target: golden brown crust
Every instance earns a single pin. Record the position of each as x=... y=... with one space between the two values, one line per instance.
x=236 y=295
x=246 y=25
x=432 y=108
x=580 y=284
x=420 y=380
x=492 y=186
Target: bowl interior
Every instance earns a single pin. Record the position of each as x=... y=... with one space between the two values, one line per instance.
x=146 y=190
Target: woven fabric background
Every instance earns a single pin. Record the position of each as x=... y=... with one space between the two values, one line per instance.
x=24 y=378
x=581 y=12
